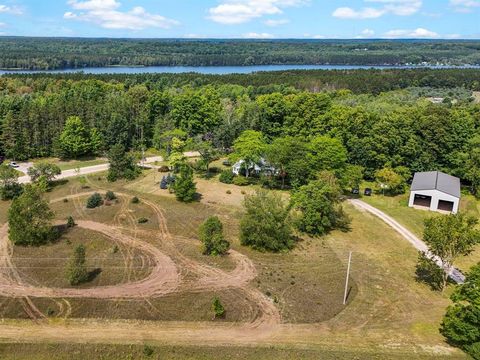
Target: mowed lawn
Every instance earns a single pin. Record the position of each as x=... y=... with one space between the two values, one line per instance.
x=413 y=219
x=74 y=164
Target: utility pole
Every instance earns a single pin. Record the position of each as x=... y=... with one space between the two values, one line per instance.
x=346 y=280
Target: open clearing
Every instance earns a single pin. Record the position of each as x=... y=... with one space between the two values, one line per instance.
x=162 y=286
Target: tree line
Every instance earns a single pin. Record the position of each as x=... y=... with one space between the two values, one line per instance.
x=77 y=53
x=42 y=117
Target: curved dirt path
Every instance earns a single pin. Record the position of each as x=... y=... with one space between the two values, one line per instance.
x=164 y=278
x=454 y=274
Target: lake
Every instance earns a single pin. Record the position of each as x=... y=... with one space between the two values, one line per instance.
x=219 y=70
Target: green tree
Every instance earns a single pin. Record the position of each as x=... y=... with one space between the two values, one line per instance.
x=327 y=153
x=449 y=237
x=184 y=186
x=123 y=165
x=388 y=181
x=319 y=206
x=472 y=165
x=212 y=237
x=281 y=153
x=217 y=308
x=75 y=138
x=30 y=218
x=250 y=147
x=461 y=323
x=351 y=177
x=77 y=269
x=43 y=170
x=9 y=186
x=266 y=224
x=207 y=152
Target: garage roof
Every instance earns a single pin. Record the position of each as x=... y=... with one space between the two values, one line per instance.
x=436 y=180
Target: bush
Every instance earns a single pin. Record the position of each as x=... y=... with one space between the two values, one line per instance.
x=70 y=222
x=135 y=200
x=217 y=308
x=94 y=201
x=228 y=192
x=110 y=196
x=163 y=169
x=241 y=181
x=142 y=220
x=11 y=191
x=147 y=350
x=226 y=177
x=212 y=237
x=427 y=271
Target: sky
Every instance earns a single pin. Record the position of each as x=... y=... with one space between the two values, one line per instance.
x=316 y=19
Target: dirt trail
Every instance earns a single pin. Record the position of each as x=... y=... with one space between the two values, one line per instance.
x=164 y=278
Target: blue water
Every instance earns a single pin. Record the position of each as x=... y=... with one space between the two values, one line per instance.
x=219 y=70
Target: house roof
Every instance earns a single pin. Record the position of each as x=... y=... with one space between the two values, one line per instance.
x=436 y=180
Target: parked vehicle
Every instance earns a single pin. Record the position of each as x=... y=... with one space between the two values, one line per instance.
x=368 y=192
x=13 y=164
x=355 y=191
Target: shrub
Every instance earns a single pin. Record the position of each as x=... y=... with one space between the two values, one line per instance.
x=142 y=220
x=217 y=308
x=241 y=181
x=94 y=201
x=229 y=192
x=226 y=177
x=135 y=200
x=212 y=237
x=110 y=195
x=70 y=222
x=65 y=200
x=11 y=191
x=163 y=169
x=147 y=350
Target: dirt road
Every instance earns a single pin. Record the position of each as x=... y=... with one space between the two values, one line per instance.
x=454 y=274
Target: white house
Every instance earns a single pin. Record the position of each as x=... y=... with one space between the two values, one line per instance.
x=254 y=168
x=435 y=191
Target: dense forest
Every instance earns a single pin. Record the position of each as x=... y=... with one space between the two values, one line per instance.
x=77 y=53
x=400 y=128
x=358 y=81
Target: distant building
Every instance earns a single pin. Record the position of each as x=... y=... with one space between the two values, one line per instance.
x=435 y=191
x=261 y=167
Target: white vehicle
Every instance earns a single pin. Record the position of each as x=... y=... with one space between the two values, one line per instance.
x=13 y=164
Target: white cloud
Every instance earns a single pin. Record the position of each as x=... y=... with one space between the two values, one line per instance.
x=384 y=7
x=10 y=10
x=273 y=23
x=232 y=12
x=419 y=33
x=106 y=13
x=254 y=35
x=464 y=6
x=366 y=33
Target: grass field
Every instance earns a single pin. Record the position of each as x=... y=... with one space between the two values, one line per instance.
x=74 y=164
x=413 y=219
x=46 y=265
x=388 y=314
x=139 y=351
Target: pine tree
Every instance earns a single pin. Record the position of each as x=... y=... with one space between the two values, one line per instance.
x=76 y=268
x=184 y=186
